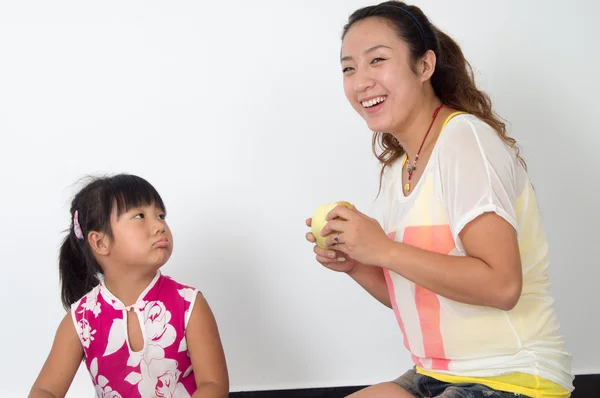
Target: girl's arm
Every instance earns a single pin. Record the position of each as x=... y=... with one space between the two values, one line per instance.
x=206 y=352
x=61 y=365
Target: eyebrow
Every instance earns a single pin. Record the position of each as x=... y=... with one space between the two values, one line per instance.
x=369 y=50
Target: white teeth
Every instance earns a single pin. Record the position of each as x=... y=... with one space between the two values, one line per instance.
x=374 y=101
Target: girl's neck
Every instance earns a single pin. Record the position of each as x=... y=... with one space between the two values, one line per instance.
x=127 y=287
x=411 y=137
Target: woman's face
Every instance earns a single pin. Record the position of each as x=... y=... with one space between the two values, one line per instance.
x=378 y=79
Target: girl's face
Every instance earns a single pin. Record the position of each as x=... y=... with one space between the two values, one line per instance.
x=141 y=237
x=378 y=80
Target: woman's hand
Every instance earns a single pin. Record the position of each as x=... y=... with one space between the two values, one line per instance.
x=356 y=235
x=371 y=278
x=332 y=259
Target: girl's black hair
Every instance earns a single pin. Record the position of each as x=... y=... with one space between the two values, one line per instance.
x=78 y=268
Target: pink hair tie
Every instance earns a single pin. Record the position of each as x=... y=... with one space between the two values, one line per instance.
x=76 y=226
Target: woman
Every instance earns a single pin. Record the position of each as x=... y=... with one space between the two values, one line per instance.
x=461 y=258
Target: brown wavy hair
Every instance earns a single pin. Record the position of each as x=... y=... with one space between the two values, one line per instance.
x=453 y=81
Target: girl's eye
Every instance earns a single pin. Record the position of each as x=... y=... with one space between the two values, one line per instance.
x=140 y=215
x=162 y=216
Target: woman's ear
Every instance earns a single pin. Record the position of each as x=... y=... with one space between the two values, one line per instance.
x=99 y=242
x=427 y=65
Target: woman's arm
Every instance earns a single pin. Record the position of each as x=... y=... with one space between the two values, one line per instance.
x=371 y=279
x=62 y=363
x=368 y=277
x=490 y=274
x=206 y=352
x=479 y=183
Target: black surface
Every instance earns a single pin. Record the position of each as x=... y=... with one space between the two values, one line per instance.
x=586 y=386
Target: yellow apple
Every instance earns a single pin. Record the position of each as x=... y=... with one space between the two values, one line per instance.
x=319 y=221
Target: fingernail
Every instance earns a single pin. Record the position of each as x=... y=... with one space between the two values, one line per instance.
x=331 y=254
x=341 y=259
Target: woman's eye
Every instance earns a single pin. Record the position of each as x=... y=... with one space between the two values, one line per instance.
x=346 y=69
x=376 y=60
x=162 y=216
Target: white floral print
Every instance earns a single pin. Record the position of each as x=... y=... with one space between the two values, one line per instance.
x=85 y=332
x=187 y=293
x=116 y=336
x=158 y=375
x=161 y=378
x=162 y=368
x=159 y=334
x=103 y=390
x=157 y=326
x=91 y=303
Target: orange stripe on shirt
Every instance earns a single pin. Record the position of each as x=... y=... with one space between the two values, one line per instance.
x=392 y=293
x=438 y=239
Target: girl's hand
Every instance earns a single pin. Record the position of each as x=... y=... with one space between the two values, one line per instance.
x=356 y=235
x=332 y=259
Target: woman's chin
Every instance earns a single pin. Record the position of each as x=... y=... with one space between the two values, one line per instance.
x=377 y=127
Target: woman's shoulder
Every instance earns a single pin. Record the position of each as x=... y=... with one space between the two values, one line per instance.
x=468 y=144
x=466 y=134
x=466 y=126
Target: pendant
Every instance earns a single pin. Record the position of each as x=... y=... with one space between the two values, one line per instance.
x=407 y=187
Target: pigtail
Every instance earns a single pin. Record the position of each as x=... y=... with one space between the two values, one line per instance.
x=454 y=83
x=77 y=268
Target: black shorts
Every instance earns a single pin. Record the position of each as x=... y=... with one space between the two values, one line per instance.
x=424 y=386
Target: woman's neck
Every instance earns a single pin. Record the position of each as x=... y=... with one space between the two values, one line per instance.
x=127 y=287
x=412 y=135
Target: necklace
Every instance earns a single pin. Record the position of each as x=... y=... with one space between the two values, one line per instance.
x=410 y=169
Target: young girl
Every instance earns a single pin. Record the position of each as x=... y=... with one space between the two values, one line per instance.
x=141 y=333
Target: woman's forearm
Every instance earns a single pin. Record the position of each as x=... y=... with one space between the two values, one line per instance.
x=460 y=278
x=371 y=278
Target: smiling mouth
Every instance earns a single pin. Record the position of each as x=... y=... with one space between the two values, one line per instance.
x=373 y=102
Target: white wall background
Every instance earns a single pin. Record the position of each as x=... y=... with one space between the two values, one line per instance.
x=235 y=112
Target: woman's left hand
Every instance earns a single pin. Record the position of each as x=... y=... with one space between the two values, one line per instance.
x=358 y=236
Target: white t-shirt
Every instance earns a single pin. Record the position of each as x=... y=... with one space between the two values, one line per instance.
x=471 y=171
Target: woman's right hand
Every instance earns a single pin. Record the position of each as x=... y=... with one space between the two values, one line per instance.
x=371 y=278
x=332 y=259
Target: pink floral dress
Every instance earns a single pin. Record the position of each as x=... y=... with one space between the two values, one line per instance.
x=162 y=368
